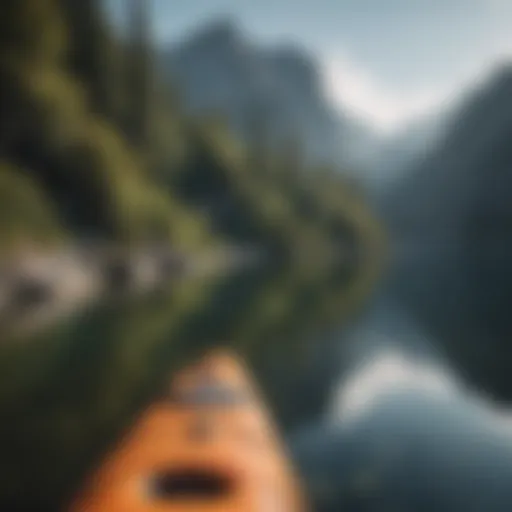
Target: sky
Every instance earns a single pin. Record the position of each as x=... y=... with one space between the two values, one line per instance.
x=388 y=62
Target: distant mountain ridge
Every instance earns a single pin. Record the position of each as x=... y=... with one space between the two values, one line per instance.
x=218 y=69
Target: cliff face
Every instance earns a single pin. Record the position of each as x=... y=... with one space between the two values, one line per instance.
x=218 y=69
x=454 y=214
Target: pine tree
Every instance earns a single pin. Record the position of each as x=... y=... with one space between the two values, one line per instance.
x=139 y=75
x=31 y=31
x=32 y=38
x=92 y=57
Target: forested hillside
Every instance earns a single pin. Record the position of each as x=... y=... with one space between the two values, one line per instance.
x=93 y=143
x=76 y=125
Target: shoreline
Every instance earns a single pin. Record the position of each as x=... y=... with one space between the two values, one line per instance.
x=38 y=288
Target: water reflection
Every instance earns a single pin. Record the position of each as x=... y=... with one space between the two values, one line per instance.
x=410 y=451
x=69 y=391
x=403 y=433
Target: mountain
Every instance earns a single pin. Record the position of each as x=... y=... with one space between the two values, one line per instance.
x=218 y=69
x=452 y=174
x=451 y=216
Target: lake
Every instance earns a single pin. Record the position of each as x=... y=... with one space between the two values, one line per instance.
x=375 y=417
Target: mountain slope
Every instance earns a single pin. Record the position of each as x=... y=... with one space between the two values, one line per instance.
x=218 y=69
x=452 y=216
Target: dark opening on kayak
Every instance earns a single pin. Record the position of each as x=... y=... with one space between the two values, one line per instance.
x=191 y=484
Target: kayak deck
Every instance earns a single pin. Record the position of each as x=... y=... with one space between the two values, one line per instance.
x=207 y=445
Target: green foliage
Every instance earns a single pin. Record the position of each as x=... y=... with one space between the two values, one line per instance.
x=31 y=30
x=25 y=214
x=94 y=57
x=139 y=77
x=305 y=216
x=77 y=387
x=86 y=117
x=59 y=125
x=87 y=151
x=70 y=393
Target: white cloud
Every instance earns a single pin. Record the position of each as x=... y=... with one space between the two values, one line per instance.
x=357 y=91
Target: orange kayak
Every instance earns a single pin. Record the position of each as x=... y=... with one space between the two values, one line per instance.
x=207 y=446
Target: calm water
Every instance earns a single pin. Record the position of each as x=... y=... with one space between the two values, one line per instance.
x=69 y=389
x=402 y=432
x=376 y=419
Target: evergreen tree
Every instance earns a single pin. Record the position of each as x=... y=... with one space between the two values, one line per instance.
x=139 y=76
x=31 y=31
x=93 y=57
x=32 y=40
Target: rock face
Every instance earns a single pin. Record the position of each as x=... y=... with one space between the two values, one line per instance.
x=452 y=217
x=219 y=70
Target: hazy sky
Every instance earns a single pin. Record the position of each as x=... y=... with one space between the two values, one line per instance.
x=386 y=60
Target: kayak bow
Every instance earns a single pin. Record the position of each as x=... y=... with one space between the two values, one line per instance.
x=207 y=446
